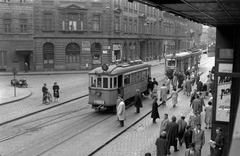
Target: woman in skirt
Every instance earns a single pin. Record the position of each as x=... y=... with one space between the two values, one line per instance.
x=55 y=92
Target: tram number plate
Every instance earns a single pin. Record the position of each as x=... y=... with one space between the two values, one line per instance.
x=99 y=102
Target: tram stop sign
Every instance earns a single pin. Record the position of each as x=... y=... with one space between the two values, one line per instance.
x=14 y=70
x=104 y=67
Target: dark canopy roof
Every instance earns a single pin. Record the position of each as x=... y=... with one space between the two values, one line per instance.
x=209 y=12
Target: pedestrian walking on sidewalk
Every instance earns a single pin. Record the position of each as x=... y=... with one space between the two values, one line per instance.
x=155 y=82
x=155 y=113
x=121 y=113
x=56 y=92
x=194 y=119
x=188 y=86
x=192 y=151
x=161 y=144
x=163 y=94
x=174 y=97
x=188 y=136
x=196 y=105
x=172 y=134
x=208 y=115
x=164 y=123
x=174 y=81
x=202 y=102
x=44 y=91
x=137 y=101
x=154 y=92
x=198 y=138
x=182 y=125
x=167 y=84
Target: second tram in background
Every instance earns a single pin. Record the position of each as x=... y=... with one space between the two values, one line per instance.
x=106 y=82
x=183 y=61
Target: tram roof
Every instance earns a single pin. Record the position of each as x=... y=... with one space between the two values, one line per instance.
x=118 y=69
x=179 y=55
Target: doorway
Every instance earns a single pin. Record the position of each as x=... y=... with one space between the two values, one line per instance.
x=27 y=59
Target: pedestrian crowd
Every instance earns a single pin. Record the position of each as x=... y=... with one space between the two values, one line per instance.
x=47 y=96
x=179 y=132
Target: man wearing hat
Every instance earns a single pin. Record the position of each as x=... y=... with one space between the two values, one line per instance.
x=172 y=134
x=161 y=144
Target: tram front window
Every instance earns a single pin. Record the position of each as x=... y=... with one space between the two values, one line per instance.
x=105 y=82
x=99 y=82
x=171 y=63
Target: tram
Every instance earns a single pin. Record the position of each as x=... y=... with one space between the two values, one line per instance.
x=106 y=82
x=183 y=61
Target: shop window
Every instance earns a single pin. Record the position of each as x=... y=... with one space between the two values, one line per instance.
x=99 y=82
x=72 y=53
x=96 y=58
x=105 y=82
x=126 y=79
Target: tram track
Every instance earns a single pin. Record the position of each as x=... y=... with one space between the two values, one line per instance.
x=62 y=103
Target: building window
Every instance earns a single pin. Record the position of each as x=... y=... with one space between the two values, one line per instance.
x=72 y=53
x=72 y=23
x=116 y=3
x=23 y=1
x=130 y=25
x=7 y=25
x=2 y=58
x=23 y=25
x=135 y=26
x=47 y=21
x=126 y=5
x=117 y=23
x=125 y=25
x=96 y=22
x=63 y=25
x=6 y=1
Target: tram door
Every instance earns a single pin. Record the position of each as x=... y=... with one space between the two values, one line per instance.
x=120 y=85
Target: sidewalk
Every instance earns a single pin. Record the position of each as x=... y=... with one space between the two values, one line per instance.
x=140 y=138
x=14 y=107
x=152 y=62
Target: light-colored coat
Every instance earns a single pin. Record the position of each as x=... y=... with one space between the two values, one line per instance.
x=174 y=97
x=198 y=138
x=121 y=113
x=167 y=84
x=163 y=93
x=188 y=86
x=208 y=114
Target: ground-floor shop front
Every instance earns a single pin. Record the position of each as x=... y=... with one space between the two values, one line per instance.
x=87 y=54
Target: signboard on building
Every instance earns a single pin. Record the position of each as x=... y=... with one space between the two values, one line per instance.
x=86 y=46
x=117 y=47
x=223 y=98
x=15 y=60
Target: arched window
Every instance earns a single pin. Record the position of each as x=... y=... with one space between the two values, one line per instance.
x=48 y=55
x=72 y=53
x=96 y=54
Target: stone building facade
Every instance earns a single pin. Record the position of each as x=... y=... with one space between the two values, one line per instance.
x=84 y=34
x=16 y=34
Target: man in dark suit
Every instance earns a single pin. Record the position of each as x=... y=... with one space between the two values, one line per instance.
x=219 y=142
x=198 y=138
x=138 y=101
x=172 y=134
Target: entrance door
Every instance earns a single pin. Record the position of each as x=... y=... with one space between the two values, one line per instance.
x=27 y=59
x=48 y=62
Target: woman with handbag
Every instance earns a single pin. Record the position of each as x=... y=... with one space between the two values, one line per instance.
x=56 y=92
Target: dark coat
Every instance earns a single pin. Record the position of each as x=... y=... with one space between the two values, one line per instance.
x=137 y=101
x=188 y=138
x=56 y=91
x=44 y=89
x=218 y=150
x=197 y=105
x=155 y=113
x=172 y=133
x=161 y=144
x=199 y=86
